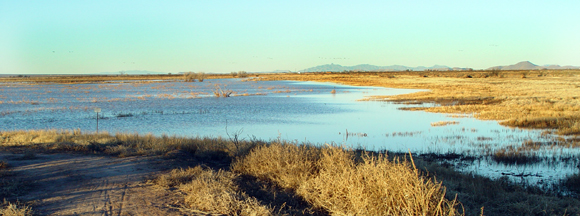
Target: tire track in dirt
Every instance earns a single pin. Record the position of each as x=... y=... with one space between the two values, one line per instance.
x=66 y=184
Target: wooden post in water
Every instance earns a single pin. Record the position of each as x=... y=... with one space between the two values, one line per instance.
x=97 y=110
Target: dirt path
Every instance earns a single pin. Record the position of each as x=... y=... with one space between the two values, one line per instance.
x=65 y=184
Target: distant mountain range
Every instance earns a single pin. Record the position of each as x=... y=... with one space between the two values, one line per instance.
x=132 y=72
x=525 y=65
x=368 y=67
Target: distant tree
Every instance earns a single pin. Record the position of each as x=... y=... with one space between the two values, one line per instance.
x=189 y=76
x=242 y=74
x=200 y=76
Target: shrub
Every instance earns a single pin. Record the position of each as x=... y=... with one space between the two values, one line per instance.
x=189 y=77
x=213 y=191
x=331 y=178
x=242 y=74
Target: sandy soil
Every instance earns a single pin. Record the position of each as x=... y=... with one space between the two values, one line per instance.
x=68 y=184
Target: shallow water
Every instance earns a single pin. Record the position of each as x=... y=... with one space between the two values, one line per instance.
x=288 y=110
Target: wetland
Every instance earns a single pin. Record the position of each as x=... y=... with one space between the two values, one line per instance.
x=440 y=117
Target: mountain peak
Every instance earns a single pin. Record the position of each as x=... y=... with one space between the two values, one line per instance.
x=526 y=64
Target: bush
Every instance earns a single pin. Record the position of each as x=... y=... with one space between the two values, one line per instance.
x=331 y=178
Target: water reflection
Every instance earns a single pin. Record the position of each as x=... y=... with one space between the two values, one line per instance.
x=288 y=110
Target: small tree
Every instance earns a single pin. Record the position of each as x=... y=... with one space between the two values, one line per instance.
x=242 y=74
x=189 y=77
x=200 y=76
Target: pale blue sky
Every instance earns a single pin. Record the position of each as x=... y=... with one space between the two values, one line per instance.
x=43 y=36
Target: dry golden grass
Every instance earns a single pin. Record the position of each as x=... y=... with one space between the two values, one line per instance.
x=545 y=99
x=212 y=192
x=14 y=209
x=77 y=79
x=120 y=144
x=330 y=178
x=315 y=180
x=443 y=123
x=286 y=165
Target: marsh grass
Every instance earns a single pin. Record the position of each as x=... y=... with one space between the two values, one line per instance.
x=120 y=144
x=222 y=92
x=511 y=155
x=338 y=181
x=443 y=123
x=546 y=99
x=499 y=196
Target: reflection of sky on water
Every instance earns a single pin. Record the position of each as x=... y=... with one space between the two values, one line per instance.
x=294 y=111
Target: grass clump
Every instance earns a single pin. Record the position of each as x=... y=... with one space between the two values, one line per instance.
x=213 y=192
x=333 y=179
x=14 y=209
x=512 y=155
x=287 y=165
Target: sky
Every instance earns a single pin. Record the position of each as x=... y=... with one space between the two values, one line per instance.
x=85 y=37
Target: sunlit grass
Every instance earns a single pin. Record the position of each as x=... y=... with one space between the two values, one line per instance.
x=544 y=99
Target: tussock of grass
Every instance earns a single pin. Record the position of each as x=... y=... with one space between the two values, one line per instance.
x=511 y=155
x=14 y=209
x=213 y=192
x=178 y=177
x=331 y=179
x=286 y=165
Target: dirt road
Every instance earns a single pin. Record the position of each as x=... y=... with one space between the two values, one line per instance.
x=69 y=184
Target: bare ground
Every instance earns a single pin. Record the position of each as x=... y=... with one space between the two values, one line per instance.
x=69 y=184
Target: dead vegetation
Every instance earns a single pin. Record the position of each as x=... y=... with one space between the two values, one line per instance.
x=333 y=179
x=15 y=209
x=191 y=76
x=217 y=188
x=546 y=99
x=210 y=191
x=258 y=178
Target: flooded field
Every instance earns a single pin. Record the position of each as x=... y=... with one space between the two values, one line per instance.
x=309 y=112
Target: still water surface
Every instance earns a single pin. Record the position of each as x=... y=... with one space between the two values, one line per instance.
x=268 y=110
